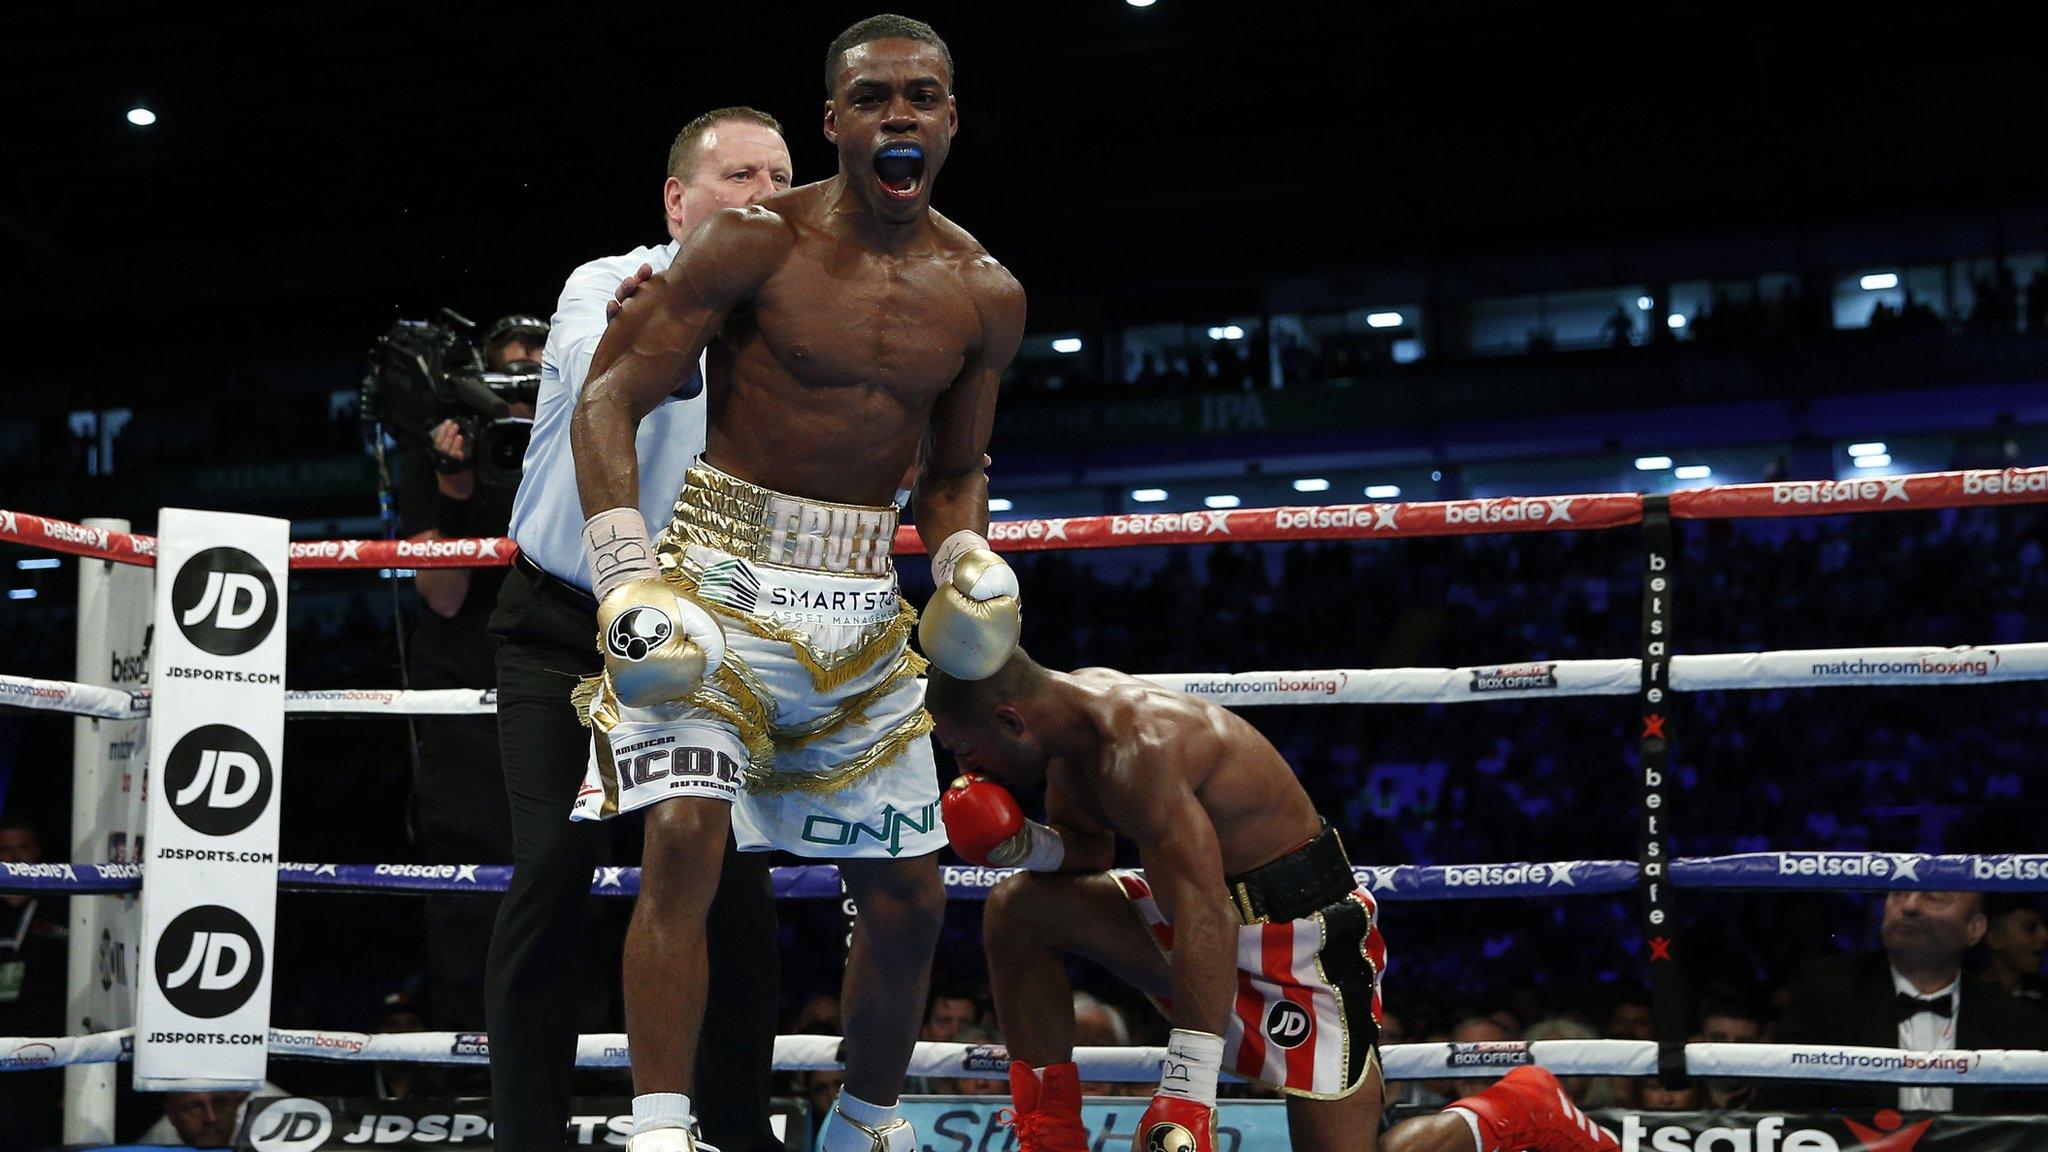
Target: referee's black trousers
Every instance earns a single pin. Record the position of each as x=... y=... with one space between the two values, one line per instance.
x=537 y=974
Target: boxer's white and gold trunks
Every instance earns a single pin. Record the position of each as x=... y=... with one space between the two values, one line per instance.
x=814 y=726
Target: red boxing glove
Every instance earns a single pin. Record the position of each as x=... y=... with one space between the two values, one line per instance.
x=980 y=816
x=1175 y=1124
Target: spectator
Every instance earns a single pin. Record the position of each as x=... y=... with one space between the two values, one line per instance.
x=974 y=1086
x=1472 y=1030
x=32 y=976
x=1098 y=1024
x=820 y=1088
x=1658 y=1096
x=1586 y=1091
x=1728 y=1021
x=199 y=1119
x=1911 y=995
x=949 y=1011
x=404 y=1081
x=2016 y=940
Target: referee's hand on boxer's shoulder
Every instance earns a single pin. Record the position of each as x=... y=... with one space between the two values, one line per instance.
x=627 y=287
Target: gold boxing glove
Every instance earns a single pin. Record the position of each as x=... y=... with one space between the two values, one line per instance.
x=658 y=645
x=971 y=625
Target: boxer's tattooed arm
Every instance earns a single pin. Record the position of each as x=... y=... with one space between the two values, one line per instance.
x=952 y=492
x=654 y=345
x=1151 y=803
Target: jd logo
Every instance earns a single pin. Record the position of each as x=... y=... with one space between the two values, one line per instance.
x=208 y=962
x=837 y=833
x=291 y=1125
x=218 y=780
x=1287 y=1024
x=224 y=601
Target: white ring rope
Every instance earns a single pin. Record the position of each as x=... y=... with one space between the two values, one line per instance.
x=1729 y=671
x=1436 y=1061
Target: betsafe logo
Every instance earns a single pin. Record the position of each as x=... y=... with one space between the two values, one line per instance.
x=290 y=1125
x=209 y=961
x=218 y=779
x=224 y=601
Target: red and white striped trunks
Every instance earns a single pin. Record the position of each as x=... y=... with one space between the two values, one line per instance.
x=1307 y=1017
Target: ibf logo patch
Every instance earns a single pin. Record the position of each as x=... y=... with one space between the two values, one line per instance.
x=209 y=961
x=290 y=1125
x=1287 y=1024
x=218 y=779
x=225 y=601
x=637 y=632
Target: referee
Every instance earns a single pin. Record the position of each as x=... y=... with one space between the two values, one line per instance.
x=726 y=158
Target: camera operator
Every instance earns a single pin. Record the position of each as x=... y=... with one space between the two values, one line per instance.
x=723 y=159
x=459 y=792
x=515 y=342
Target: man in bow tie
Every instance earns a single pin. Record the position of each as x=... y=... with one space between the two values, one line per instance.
x=1913 y=996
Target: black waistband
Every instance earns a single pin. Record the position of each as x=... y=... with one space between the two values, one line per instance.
x=554 y=587
x=1301 y=883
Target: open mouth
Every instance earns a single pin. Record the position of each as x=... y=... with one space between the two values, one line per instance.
x=899 y=169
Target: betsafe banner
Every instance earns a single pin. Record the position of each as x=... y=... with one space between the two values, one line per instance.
x=215 y=753
x=1882 y=1130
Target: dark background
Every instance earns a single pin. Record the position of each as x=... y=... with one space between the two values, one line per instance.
x=320 y=169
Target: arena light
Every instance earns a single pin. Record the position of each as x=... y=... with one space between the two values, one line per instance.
x=1652 y=463
x=1226 y=332
x=998 y=504
x=1226 y=500
x=1644 y=302
x=1675 y=321
x=21 y=593
x=141 y=117
x=1141 y=3
x=1067 y=345
x=39 y=562
x=1384 y=320
x=1383 y=491
x=1148 y=495
x=1693 y=472
x=1873 y=448
x=1879 y=281
x=1312 y=484
x=1878 y=461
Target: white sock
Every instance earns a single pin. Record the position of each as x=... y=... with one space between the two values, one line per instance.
x=840 y=1133
x=856 y=1109
x=653 y=1110
x=1472 y=1122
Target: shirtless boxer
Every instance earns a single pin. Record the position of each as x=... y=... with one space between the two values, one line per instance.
x=757 y=675
x=1247 y=927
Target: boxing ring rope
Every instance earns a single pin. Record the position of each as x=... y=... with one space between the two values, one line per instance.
x=1389 y=521
x=1719 y=672
x=1618 y=677
x=1137 y=1064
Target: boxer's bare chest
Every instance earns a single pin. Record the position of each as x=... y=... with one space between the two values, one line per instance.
x=837 y=315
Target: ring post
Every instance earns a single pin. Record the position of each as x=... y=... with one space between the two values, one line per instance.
x=106 y=824
x=1660 y=917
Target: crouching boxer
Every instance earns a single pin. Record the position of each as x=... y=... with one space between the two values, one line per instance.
x=1247 y=927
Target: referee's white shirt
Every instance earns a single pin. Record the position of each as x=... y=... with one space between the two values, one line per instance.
x=547 y=513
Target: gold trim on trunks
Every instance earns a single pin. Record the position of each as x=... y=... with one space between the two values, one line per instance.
x=852 y=771
x=829 y=670
x=735 y=695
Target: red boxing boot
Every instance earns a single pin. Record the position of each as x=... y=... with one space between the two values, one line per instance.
x=1528 y=1109
x=1047 y=1116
